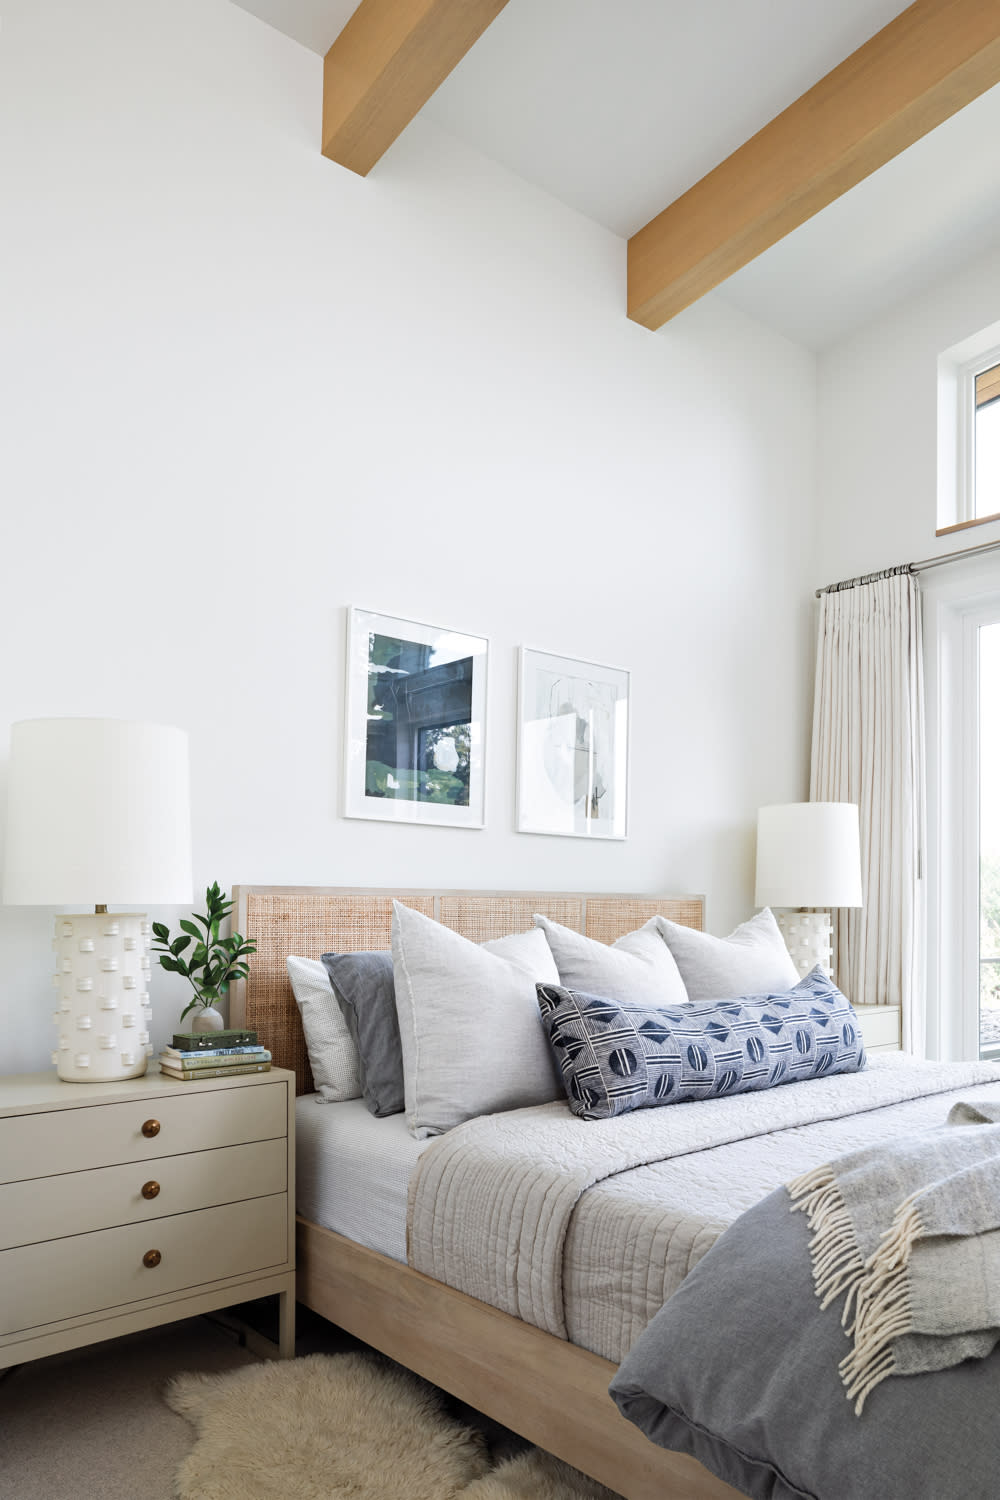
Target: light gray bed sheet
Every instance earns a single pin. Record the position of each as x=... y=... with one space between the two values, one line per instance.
x=352 y=1171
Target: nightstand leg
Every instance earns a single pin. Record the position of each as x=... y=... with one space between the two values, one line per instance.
x=286 y=1325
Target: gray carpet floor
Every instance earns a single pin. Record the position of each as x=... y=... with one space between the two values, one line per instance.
x=91 y=1425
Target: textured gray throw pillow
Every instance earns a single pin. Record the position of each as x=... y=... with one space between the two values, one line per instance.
x=638 y=969
x=473 y=1041
x=752 y=960
x=363 y=985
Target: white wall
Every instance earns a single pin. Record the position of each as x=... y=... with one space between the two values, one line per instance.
x=878 y=395
x=243 y=389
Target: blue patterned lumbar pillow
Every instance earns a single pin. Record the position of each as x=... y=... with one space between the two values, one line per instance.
x=616 y=1057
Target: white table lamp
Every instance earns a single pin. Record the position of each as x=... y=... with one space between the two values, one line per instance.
x=808 y=854
x=99 y=813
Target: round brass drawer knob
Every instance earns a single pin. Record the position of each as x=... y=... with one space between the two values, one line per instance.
x=150 y=1128
x=151 y=1258
x=150 y=1189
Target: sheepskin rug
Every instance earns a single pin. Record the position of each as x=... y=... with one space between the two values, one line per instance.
x=350 y=1425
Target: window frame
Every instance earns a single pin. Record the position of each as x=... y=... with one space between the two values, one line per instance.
x=991 y=366
x=957 y=449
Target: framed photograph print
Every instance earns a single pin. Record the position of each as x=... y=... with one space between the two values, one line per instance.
x=572 y=747
x=416 y=722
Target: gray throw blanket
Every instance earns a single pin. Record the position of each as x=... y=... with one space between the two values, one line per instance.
x=909 y=1236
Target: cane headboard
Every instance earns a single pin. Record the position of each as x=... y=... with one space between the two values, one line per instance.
x=310 y=920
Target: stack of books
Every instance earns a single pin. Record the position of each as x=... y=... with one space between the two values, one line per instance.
x=213 y=1054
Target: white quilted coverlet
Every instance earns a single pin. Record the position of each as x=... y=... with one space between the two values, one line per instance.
x=585 y=1227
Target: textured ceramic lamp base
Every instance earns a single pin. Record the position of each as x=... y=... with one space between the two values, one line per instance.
x=102 y=980
x=808 y=938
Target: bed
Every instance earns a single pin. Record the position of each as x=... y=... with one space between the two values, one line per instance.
x=522 y=1373
x=550 y=1391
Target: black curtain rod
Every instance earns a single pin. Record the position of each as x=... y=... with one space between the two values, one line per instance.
x=913 y=567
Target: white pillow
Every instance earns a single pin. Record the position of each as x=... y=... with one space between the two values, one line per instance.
x=639 y=969
x=333 y=1056
x=472 y=1034
x=752 y=960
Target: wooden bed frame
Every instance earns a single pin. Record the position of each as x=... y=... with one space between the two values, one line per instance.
x=553 y=1393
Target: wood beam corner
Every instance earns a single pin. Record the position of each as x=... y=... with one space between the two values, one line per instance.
x=386 y=64
x=925 y=65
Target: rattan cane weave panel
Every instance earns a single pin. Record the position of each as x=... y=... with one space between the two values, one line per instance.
x=308 y=925
x=610 y=917
x=482 y=918
x=309 y=922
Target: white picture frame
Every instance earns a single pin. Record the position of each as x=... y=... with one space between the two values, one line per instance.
x=415 y=722
x=572 y=746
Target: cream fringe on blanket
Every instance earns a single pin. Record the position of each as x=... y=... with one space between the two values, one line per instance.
x=877 y=1289
x=903 y=1316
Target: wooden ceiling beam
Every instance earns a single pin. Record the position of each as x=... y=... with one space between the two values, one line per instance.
x=928 y=63
x=386 y=64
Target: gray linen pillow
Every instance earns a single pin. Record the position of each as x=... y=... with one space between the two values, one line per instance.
x=639 y=969
x=473 y=1040
x=752 y=960
x=363 y=985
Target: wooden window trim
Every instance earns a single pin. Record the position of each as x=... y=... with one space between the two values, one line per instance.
x=964 y=525
x=987 y=386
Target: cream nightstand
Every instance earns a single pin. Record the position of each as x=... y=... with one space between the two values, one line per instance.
x=880 y=1027
x=128 y=1204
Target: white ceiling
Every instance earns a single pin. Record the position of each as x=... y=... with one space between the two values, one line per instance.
x=617 y=106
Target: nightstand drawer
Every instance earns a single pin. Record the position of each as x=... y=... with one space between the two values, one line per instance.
x=100 y=1135
x=66 y=1278
x=880 y=1027
x=80 y=1202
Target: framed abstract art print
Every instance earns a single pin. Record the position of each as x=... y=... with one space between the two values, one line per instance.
x=572 y=747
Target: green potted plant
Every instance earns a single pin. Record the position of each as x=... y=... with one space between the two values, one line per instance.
x=212 y=963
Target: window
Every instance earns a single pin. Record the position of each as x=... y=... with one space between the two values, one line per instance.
x=969 y=432
x=962 y=625
x=986 y=444
x=989 y=840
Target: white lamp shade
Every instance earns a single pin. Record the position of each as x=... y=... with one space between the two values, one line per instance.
x=808 y=854
x=98 y=814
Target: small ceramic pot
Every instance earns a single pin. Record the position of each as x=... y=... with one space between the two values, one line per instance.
x=208 y=1019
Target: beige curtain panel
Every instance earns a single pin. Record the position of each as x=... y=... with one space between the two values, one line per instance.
x=868 y=748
